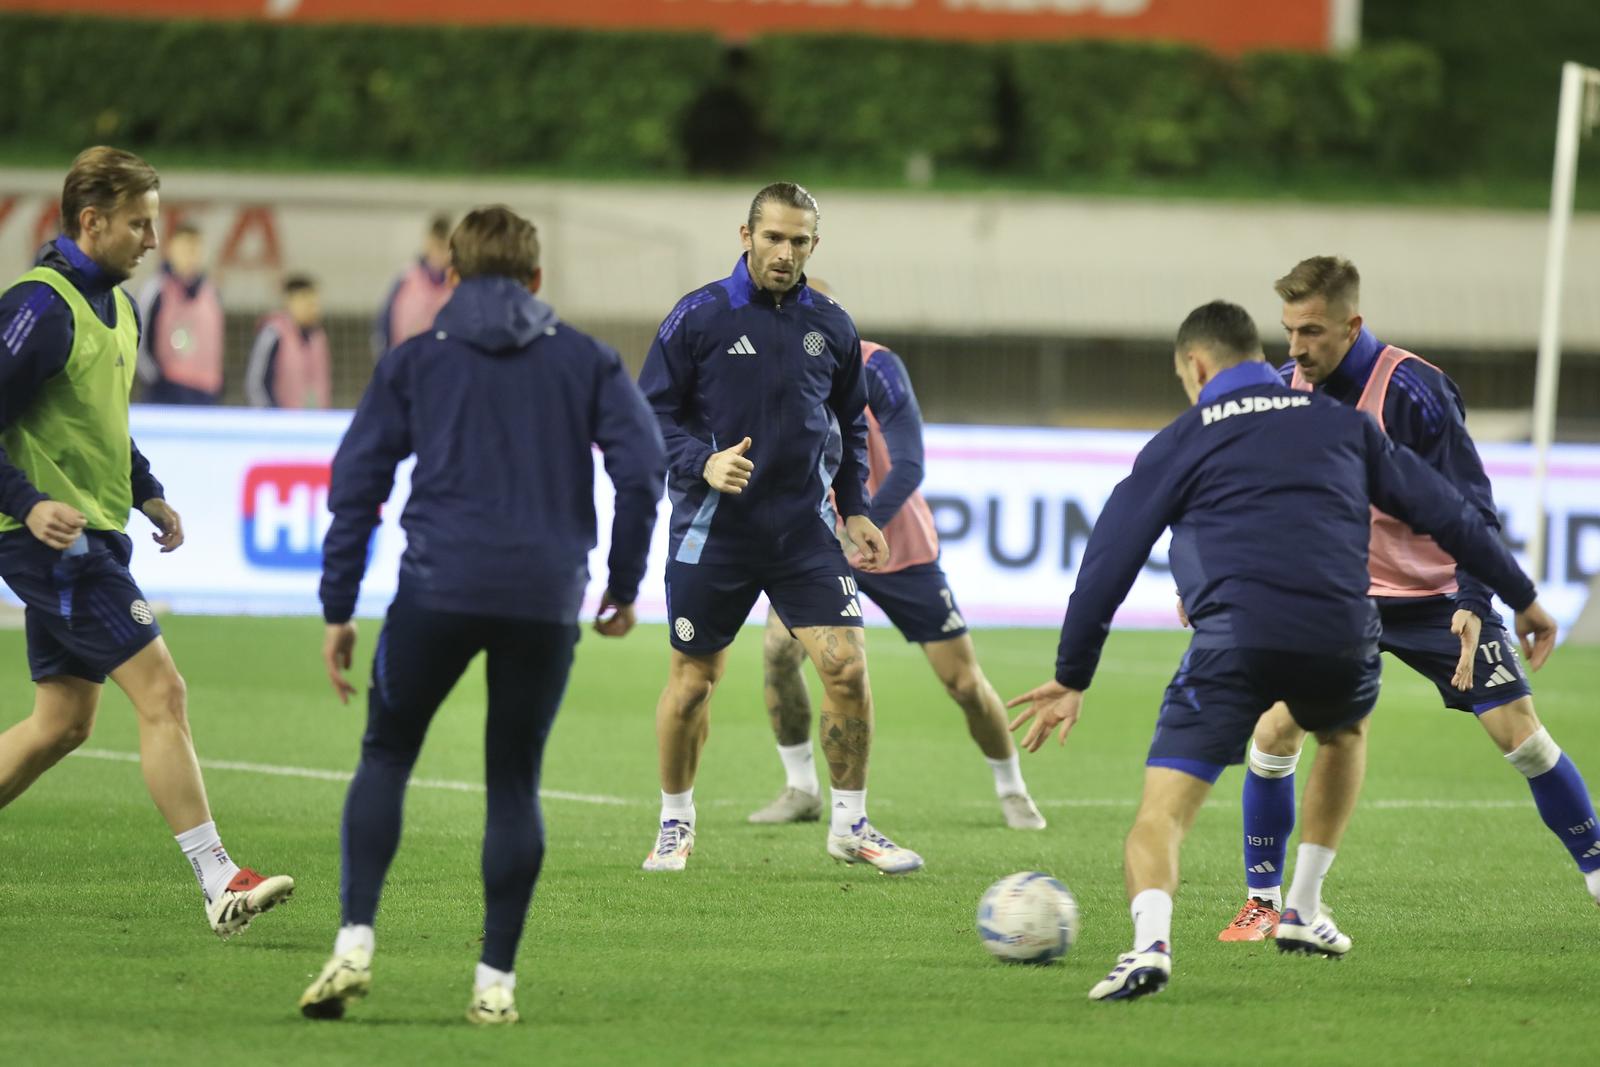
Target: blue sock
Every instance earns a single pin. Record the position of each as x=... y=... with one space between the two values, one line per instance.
x=1268 y=822
x=1564 y=804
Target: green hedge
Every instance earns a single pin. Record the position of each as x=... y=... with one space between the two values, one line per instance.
x=507 y=97
x=456 y=97
x=1502 y=74
x=1154 y=109
x=868 y=102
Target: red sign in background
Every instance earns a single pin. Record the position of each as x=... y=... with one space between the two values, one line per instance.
x=1228 y=26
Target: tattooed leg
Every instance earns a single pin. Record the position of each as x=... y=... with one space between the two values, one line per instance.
x=840 y=656
x=788 y=701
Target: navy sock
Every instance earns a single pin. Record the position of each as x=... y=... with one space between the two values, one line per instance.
x=1563 y=802
x=1268 y=822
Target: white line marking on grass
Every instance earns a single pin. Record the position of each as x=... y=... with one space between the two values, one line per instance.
x=321 y=775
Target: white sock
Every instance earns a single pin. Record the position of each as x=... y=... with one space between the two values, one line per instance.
x=212 y=867
x=1271 y=894
x=1007 y=776
x=1592 y=880
x=1152 y=919
x=487 y=976
x=849 y=808
x=678 y=806
x=354 y=936
x=801 y=767
x=1311 y=863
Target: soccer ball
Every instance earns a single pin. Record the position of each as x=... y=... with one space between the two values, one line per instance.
x=1027 y=917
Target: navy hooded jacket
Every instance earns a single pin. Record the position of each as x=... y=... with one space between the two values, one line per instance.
x=501 y=403
x=1267 y=491
x=733 y=361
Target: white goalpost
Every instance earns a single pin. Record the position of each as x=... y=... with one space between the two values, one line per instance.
x=1578 y=114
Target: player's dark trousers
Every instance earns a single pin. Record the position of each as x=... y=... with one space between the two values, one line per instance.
x=421 y=654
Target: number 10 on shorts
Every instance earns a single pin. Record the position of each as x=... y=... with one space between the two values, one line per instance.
x=852 y=607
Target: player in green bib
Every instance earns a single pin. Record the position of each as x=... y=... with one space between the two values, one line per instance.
x=69 y=476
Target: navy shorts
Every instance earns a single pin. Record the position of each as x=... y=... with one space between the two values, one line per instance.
x=1418 y=634
x=708 y=602
x=85 y=614
x=1212 y=703
x=917 y=600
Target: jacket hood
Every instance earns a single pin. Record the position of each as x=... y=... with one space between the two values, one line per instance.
x=495 y=314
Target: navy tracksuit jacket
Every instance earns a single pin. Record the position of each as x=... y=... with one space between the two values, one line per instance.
x=732 y=361
x=501 y=403
x=1267 y=492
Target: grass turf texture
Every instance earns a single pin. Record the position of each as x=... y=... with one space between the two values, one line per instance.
x=1474 y=938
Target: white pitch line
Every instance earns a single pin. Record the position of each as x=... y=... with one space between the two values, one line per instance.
x=322 y=775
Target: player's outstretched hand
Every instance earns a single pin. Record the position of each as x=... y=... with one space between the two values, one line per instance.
x=1537 y=632
x=1465 y=625
x=1183 y=616
x=728 y=471
x=55 y=523
x=869 y=541
x=613 y=619
x=169 y=526
x=1049 y=705
x=338 y=648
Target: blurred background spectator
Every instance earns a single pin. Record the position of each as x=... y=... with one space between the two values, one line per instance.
x=418 y=293
x=290 y=366
x=181 y=346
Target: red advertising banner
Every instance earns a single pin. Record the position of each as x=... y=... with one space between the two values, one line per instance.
x=1227 y=26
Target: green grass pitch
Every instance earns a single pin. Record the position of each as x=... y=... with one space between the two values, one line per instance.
x=1475 y=942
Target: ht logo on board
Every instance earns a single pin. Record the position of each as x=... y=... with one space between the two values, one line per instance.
x=285 y=512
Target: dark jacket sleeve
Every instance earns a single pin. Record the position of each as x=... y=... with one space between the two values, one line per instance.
x=1138 y=510
x=1405 y=486
x=380 y=325
x=145 y=485
x=258 y=369
x=848 y=400
x=636 y=462
x=149 y=305
x=894 y=405
x=35 y=340
x=1424 y=411
x=379 y=437
x=667 y=380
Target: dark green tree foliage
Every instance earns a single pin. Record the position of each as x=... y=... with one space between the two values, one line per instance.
x=508 y=97
x=870 y=102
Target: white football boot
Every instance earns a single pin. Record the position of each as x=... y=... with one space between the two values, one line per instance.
x=1319 y=937
x=792 y=805
x=863 y=844
x=1021 y=812
x=247 y=896
x=1136 y=974
x=492 y=1005
x=673 y=845
x=346 y=976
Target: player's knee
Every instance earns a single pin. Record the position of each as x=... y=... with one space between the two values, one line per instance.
x=167 y=700
x=688 y=692
x=780 y=652
x=1277 y=734
x=965 y=687
x=64 y=737
x=845 y=682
